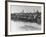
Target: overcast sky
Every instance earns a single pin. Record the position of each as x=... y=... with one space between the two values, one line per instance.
x=18 y=9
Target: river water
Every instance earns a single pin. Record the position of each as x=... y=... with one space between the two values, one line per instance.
x=24 y=26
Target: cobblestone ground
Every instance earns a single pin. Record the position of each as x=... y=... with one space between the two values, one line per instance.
x=24 y=26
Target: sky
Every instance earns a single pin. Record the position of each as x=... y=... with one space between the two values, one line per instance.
x=26 y=9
